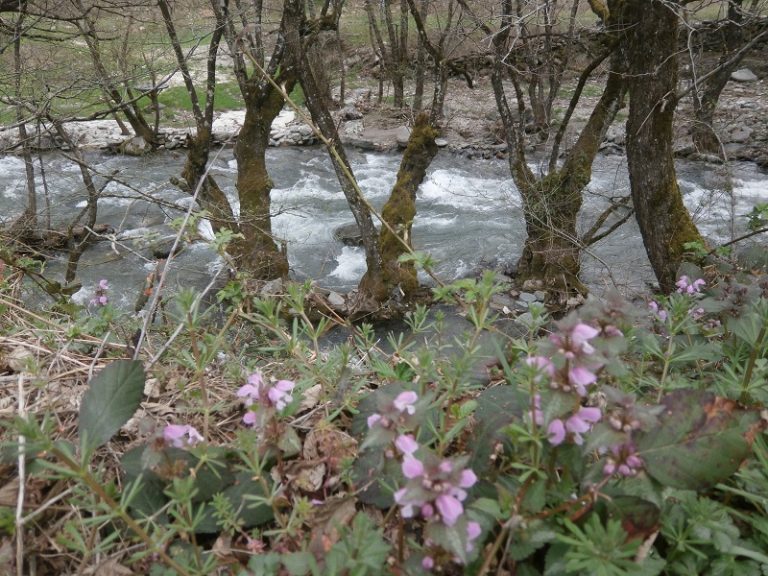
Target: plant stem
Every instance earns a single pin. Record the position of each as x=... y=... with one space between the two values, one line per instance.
x=98 y=489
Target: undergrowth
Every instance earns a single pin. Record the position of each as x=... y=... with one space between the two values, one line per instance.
x=623 y=439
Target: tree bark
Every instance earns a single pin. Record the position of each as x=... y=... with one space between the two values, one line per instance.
x=650 y=43
x=551 y=204
x=258 y=251
x=400 y=209
x=370 y=291
x=552 y=249
x=194 y=173
x=706 y=97
x=27 y=222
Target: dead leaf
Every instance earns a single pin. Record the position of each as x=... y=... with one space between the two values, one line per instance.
x=109 y=568
x=329 y=519
x=306 y=476
x=310 y=398
x=331 y=445
x=9 y=493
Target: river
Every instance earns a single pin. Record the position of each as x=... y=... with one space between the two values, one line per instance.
x=468 y=213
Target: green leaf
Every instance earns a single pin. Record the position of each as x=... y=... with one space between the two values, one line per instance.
x=248 y=512
x=112 y=398
x=497 y=407
x=639 y=518
x=701 y=440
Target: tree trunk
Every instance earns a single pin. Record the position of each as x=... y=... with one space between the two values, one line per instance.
x=552 y=249
x=400 y=209
x=705 y=99
x=194 y=173
x=370 y=290
x=397 y=58
x=650 y=43
x=27 y=222
x=257 y=251
x=210 y=196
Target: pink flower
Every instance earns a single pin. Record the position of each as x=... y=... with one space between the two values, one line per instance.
x=406 y=444
x=181 y=435
x=412 y=468
x=685 y=286
x=406 y=508
x=536 y=414
x=280 y=394
x=574 y=342
x=427 y=563
x=581 y=422
x=373 y=419
x=580 y=334
x=434 y=489
x=659 y=311
x=556 y=432
x=404 y=402
x=263 y=399
x=542 y=364
x=473 y=532
x=467 y=478
x=622 y=460
x=580 y=377
x=450 y=508
x=250 y=418
x=100 y=296
x=252 y=391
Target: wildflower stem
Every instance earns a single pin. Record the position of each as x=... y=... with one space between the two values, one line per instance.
x=756 y=350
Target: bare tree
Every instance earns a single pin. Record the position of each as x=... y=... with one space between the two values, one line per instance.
x=734 y=36
x=86 y=24
x=552 y=199
x=195 y=173
x=257 y=251
x=650 y=41
x=392 y=53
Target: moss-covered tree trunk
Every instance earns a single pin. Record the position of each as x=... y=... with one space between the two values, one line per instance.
x=552 y=251
x=706 y=96
x=257 y=251
x=400 y=209
x=650 y=42
x=210 y=196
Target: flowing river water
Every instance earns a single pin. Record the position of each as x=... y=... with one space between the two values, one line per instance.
x=469 y=213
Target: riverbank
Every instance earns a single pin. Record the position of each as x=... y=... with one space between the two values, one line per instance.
x=470 y=126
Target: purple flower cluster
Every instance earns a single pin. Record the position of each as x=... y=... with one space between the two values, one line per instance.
x=574 y=426
x=404 y=404
x=660 y=313
x=622 y=460
x=578 y=371
x=100 y=296
x=263 y=399
x=435 y=487
x=181 y=435
x=686 y=286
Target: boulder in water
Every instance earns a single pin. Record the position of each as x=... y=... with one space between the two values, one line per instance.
x=744 y=75
x=348 y=234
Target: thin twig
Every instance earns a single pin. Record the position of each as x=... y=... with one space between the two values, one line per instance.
x=22 y=480
x=161 y=282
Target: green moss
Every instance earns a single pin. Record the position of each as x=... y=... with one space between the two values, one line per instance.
x=400 y=209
